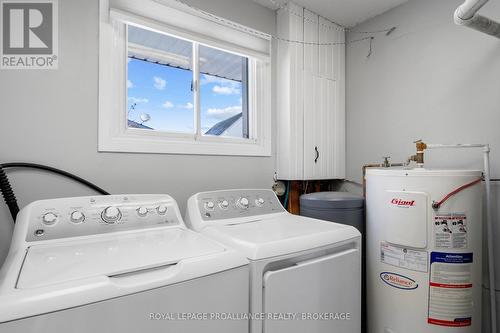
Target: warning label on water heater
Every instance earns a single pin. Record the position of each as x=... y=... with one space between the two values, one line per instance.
x=450 y=231
x=403 y=257
x=450 y=289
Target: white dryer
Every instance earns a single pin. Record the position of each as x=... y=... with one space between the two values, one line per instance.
x=305 y=274
x=120 y=263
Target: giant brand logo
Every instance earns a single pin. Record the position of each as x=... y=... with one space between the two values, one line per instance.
x=398 y=281
x=403 y=203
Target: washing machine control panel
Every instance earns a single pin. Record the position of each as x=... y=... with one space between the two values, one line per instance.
x=83 y=216
x=228 y=204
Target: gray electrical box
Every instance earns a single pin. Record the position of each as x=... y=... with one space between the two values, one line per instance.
x=339 y=207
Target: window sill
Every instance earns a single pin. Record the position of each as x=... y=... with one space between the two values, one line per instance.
x=188 y=145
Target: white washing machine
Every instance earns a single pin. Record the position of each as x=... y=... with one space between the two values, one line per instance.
x=120 y=263
x=305 y=274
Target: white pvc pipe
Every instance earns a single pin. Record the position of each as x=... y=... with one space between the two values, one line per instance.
x=489 y=222
x=491 y=251
x=469 y=8
x=466 y=15
x=455 y=145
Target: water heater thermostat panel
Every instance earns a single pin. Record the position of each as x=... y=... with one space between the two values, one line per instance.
x=407 y=218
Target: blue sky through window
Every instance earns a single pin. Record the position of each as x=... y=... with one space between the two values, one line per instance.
x=164 y=93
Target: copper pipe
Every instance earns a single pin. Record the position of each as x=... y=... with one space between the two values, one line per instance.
x=419 y=156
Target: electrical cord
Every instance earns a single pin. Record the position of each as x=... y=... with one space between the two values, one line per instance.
x=8 y=193
x=437 y=205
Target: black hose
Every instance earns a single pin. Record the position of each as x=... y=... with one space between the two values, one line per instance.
x=8 y=194
x=57 y=171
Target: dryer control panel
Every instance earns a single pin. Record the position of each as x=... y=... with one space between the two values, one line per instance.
x=229 y=204
x=83 y=216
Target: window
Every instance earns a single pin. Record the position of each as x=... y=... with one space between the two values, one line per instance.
x=159 y=82
x=223 y=93
x=168 y=89
x=160 y=86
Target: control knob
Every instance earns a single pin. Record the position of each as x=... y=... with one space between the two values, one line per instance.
x=142 y=211
x=161 y=209
x=224 y=204
x=259 y=202
x=243 y=202
x=77 y=217
x=111 y=215
x=49 y=218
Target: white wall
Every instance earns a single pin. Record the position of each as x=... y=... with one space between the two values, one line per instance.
x=50 y=117
x=429 y=80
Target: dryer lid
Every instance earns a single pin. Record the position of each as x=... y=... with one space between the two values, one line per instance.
x=60 y=262
x=281 y=234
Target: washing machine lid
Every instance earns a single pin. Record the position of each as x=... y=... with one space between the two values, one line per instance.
x=110 y=256
x=280 y=234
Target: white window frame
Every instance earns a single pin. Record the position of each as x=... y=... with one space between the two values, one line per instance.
x=114 y=133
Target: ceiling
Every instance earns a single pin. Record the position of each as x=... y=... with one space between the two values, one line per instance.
x=344 y=12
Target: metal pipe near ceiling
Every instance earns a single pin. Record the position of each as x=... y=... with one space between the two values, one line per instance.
x=466 y=15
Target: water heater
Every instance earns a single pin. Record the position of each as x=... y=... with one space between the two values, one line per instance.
x=423 y=245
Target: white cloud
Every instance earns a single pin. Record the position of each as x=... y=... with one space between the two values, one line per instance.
x=222 y=86
x=138 y=100
x=224 y=112
x=188 y=105
x=159 y=83
x=225 y=90
x=129 y=84
x=168 y=105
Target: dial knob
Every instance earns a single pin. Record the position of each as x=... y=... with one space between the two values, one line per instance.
x=111 y=215
x=259 y=202
x=49 y=218
x=243 y=202
x=224 y=204
x=161 y=209
x=77 y=217
x=142 y=211
x=209 y=205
